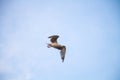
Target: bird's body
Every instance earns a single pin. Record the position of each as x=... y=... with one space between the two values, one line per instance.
x=55 y=45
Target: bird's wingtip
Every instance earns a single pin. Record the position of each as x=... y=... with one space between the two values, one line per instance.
x=62 y=60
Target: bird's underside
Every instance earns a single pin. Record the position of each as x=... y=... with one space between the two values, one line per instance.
x=55 y=45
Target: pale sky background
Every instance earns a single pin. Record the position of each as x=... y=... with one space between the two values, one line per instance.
x=90 y=29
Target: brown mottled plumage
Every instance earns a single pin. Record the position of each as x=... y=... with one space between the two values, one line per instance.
x=55 y=45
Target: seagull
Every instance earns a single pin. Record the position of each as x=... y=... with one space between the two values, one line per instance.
x=55 y=45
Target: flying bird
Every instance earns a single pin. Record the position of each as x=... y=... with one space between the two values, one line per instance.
x=55 y=45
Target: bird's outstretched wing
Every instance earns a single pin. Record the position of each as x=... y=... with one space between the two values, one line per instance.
x=62 y=53
x=53 y=38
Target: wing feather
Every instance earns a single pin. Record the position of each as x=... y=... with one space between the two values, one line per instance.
x=62 y=53
x=53 y=38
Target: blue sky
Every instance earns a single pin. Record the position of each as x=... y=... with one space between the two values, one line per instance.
x=89 y=28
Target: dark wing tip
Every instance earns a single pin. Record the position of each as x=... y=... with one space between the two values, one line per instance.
x=54 y=36
x=63 y=52
x=62 y=60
